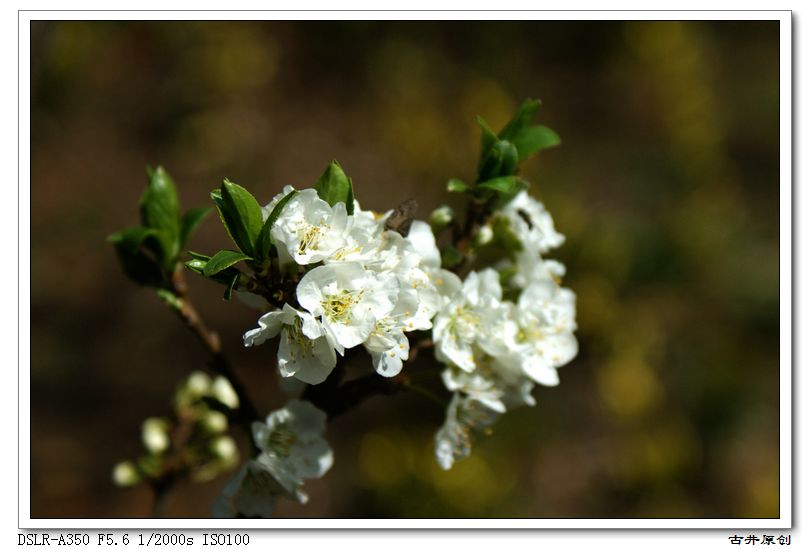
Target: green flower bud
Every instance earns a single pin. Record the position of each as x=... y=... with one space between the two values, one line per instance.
x=223 y=391
x=214 y=422
x=125 y=474
x=224 y=449
x=155 y=435
x=198 y=384
x=483 y=236
x=441 y=218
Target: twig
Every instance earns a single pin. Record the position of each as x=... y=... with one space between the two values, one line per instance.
x=185 y=309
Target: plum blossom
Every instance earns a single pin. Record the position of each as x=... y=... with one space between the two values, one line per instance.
x=348 y=299
x=457 y=328
x=309 y=228
x=531 y=223
x=292 y=449
x=306 y=350
x=465 y=417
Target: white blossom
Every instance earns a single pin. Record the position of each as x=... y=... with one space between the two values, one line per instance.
x=292 y=445
x=457 y=328
x=464 y=418
x=546 y=314
x=306 y=350
x=310 y=229
x=348 y=298
x=531 y=223
x=387 y=343
x=251 y=493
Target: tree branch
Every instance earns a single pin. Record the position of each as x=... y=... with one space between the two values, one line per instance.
x=185 y=310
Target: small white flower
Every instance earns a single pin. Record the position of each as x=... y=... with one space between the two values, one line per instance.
x=497 y=383
x=546 y=314
x=251 y=493
x=464 y=418
x=424 y=243
x=457 y=328
x=530 y=267
x=310 y=229
x=476 y=385
x=387 y=343
x=532 y=223
x=306 y=350
x=293 y=447
x=348 y=299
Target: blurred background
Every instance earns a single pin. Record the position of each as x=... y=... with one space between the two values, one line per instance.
x=666 y=187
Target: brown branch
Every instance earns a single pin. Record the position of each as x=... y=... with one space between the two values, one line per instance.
x=477 y=214
x=246 y=413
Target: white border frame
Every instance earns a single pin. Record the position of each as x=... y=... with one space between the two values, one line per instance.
x=785 y=275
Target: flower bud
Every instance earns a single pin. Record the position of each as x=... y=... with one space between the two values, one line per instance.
x=224 y=449
x=214 y=422
x=155 y=435
x=483 y=235
x=125 y=474
x=223 y=391
x=441 y=218
x=198 y=384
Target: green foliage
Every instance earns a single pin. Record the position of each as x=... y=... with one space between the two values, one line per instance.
x=221 y=261
x=149 y=253
x=457 y=186
x=496 y=181
x=534 y=139
x=160 y=210
x=334 y=186
x=220 y=271
x=240 y=214
x=500 y=160
x=137 y=258
x=451 y=257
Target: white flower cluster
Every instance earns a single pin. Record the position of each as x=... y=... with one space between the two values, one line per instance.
x=361 y=285
x=496 y=350
x=292 y=449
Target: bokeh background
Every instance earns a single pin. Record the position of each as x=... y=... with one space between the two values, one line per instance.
x=666 y=187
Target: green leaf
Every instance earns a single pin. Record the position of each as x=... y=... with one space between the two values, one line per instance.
x=132 y=237
x=160 y=210
x=265 y=240
x=333 y=186
x=502 y=159
x=451 y=257
x=230 y=286
x=190 y=220
x=202 y=257
x=488 y=137
x=135 y=248
x=197 y=265
x=505 y=184
x=533 y=139
x=222 y=260
x=170 y=298
x=521 y=120
x=240 y=213
x=350 y=198
x=457 y=186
